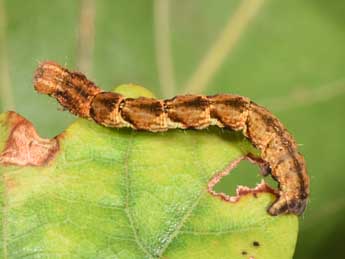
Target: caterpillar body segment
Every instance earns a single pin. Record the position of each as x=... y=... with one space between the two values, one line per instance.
x=278 y=148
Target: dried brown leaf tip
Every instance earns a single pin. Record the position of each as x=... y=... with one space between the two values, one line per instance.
x=278 y=148
x=24 y=147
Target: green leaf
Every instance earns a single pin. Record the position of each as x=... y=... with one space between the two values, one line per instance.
x=113 y=193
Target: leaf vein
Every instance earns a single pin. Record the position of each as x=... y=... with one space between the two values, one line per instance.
x=188 y=213
x=127 y=200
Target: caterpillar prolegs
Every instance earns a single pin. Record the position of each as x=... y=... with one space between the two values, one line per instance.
x=278 y=148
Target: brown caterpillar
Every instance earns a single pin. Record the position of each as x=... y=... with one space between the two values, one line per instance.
x=278 y=148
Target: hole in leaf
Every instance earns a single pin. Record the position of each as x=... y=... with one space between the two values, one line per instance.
x=245 y=174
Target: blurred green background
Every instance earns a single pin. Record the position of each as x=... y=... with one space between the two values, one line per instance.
x=286 y=55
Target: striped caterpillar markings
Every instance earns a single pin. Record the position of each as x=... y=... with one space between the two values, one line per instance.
x=278 y=148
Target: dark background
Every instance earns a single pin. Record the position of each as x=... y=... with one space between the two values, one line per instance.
x=286 y=55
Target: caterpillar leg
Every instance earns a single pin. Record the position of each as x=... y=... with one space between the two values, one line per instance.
x=283 y=206
x=265 y=168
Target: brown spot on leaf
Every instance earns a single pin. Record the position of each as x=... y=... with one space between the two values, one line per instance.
x=262 y=187
x=24 y=147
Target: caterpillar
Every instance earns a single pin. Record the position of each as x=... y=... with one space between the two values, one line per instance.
x=278 y=148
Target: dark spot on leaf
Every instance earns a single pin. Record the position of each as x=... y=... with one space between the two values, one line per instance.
x=244 y=253
x=256 y=243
